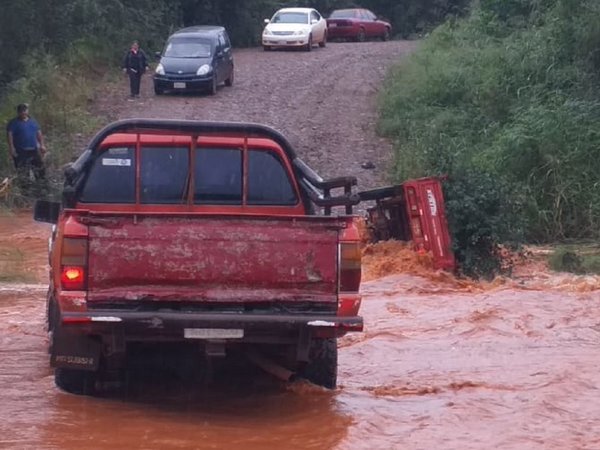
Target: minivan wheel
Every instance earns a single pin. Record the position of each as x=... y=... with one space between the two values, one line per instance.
x=229 y=81
x=213 y=85
x=158 y=91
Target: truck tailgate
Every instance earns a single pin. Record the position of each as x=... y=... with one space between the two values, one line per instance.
x=212 y=259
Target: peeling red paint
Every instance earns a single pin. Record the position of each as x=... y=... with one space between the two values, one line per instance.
x=212 y=258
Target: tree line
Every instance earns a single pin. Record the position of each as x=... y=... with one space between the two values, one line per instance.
x=102 y=29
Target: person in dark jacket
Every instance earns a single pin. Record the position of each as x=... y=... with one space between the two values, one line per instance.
x=135 y=64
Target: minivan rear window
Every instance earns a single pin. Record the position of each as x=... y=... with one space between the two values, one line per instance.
x=111 y=179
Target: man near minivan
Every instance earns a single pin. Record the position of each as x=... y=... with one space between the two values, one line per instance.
x=135 y=64
x=26 y=146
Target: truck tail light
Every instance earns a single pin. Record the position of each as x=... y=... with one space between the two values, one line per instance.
x=73 y=274
x=350 y=266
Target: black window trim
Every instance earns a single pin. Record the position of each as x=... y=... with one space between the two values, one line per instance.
x=282 y=164
x=245 y=149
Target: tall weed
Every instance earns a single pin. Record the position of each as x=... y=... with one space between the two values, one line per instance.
x=511 y=94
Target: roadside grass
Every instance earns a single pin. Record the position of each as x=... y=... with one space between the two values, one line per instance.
x=23 y=247
x=59 y=92
x=579 y=258
x=506 y=103
x=13 y=268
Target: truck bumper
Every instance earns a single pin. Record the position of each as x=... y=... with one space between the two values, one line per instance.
x=174 y=323
x=82 y=337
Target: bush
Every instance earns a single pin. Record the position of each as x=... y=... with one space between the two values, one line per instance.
x=579 y=258
x=58 y=93
x=564 y=260
x=510 y=93
x=484 y=219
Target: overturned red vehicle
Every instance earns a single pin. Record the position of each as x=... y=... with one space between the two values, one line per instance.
x=413 y=211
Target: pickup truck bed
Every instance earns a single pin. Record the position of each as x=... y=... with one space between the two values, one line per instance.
x=219 y=260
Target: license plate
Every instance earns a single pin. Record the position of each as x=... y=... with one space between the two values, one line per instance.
x=178 y=85
x=212 y=333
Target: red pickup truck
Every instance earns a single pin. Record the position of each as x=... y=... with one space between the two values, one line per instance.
x=204 y=234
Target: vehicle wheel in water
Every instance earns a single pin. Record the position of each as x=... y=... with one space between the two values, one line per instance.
x=80 y=382
x=229 y=81
x=308 y=47
x=360 y=37
x=323 y=43
x=322 y=367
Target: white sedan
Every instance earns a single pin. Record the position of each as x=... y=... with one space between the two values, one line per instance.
x=295 y=27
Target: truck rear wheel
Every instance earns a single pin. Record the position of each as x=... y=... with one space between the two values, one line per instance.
x=81 y=382
x=322 y=367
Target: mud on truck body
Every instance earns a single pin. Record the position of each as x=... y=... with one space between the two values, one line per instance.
x=214 y=235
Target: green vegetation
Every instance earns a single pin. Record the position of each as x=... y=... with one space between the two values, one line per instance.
x=12 y=267
x=59 y=91
x=54 y=54
x=507 y=104
x=576 y=258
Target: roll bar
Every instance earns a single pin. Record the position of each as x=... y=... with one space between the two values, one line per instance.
x=316 y=188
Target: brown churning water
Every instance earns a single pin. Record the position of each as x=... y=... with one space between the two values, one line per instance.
x=443 y=364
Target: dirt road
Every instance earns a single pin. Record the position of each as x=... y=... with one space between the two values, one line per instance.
x=442 y=364
x=324 y=102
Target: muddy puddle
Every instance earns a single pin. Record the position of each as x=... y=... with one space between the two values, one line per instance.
x=443 y=363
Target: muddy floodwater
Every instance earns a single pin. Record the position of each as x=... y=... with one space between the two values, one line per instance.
x=442 y=364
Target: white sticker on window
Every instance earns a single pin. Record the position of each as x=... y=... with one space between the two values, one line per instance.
x=116 y=162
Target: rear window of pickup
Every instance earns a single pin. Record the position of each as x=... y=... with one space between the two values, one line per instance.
x=165 y=177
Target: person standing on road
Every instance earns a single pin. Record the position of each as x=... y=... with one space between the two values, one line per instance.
x=135 y=64
x=26 y=146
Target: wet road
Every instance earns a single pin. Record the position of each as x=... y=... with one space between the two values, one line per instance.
x=442 y=364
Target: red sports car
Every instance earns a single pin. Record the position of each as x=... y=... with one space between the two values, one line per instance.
x=357 y=24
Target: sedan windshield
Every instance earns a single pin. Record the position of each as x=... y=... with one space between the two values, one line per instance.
x=187 y=48
x=343 y=14
x=290 y=17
